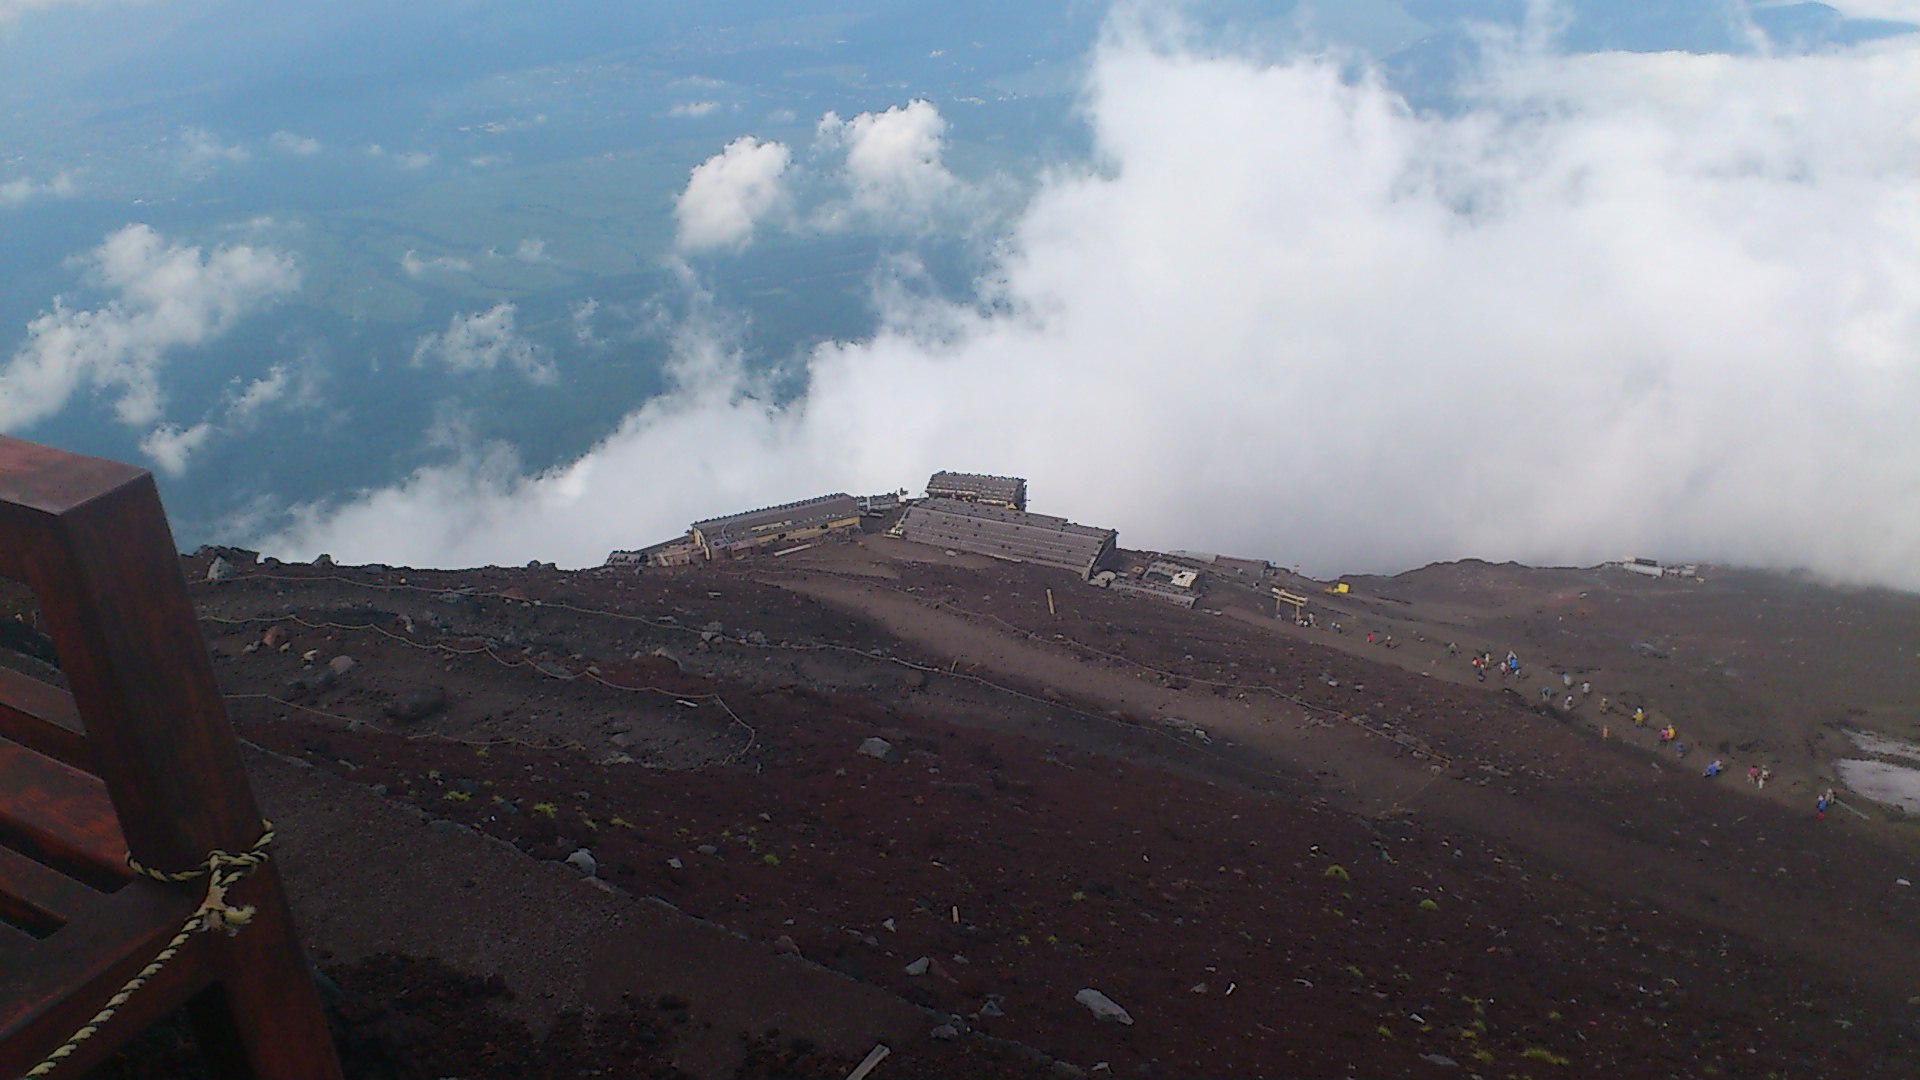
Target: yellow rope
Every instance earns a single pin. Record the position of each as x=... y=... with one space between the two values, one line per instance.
x=223 y=871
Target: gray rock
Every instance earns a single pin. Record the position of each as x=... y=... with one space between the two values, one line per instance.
x=707 y=849
x=714 y=628
x=755 y=637
x=340 y=665
x=946 y=1033
x=992 y=1008
x=220 y=569
x=615 y=758
x=1441 y=1060
x=417 y=705
x=1104 y=1008
x=583 y=861
x=920 y=966
x=876 y=747
x=676 y=863
x=323 y=559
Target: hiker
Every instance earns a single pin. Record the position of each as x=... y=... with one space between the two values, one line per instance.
x=1820 y=808
x=1586 y=688
x=1569 y=705
x=1452 y=650
x=1753 y=774
x=1566 y=680
x=1546 y=694
x=1605 y=705
x=1369 y=637
x=1765 y=775
x=1713 y=769
x=1639 y=716
x=1679 y=749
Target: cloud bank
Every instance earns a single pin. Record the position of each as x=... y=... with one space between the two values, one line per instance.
x=166 y=296
x=1662 y=304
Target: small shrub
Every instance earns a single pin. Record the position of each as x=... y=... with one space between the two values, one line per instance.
x=546 y=809
x=1484 y=1057
x=1384 y=1031
x=456 y=796
x=1429 y=905
x=620 y=823
x=1541 y=1053
x=1338 y=871
x=770 y=859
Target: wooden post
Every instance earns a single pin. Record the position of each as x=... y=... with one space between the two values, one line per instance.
x=1050 y=609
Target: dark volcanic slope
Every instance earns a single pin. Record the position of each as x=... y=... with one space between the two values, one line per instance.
x=1284 y=853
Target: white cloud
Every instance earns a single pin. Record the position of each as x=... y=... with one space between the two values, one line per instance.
x=483 y=341
x=1655 y=304
x=532 y=250
x=299 y=145
x=256 y=395
x=687 y=109
x=166 y=296
x=201 y=151
x=169 y=446
x=893 y=170
x=416 y=267
x=730 y=192
x=583 y=312
x=410 y=160
x=23 y=189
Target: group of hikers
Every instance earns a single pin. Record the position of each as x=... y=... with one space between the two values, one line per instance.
x=1669 y=736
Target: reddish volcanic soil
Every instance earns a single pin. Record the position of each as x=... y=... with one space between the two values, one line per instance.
x=1282 y=851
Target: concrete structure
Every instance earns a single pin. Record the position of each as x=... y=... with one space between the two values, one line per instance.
x=1007 y=491
x=1157 y=590
x=1171 y=573
x=742 y=534
x=1007 y=534
x=1652 y=568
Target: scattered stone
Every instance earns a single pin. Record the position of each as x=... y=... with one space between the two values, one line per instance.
x=615 y=758
x=714 y=628
x=1104 y=1008
x=583 y=861
x=755 y=637
x=785 y=945
x=877 y=747
x=1441 y=1060
x=678 y=865
x=1198 y=988
x=310 y=656
x=888 y=923
x=1903 y=883
x=417 y=705
x=340 y=665
x=553 y=670
x=946 y=1033
x=220 y=569
x=992 y=1008
x=920 y=966
x=622 y=740
x=707 y=849
x=323 y=560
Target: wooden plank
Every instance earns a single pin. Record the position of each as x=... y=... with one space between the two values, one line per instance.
x=37 y=899
x=52 y=987
x=42 y=717
x=61 y=817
